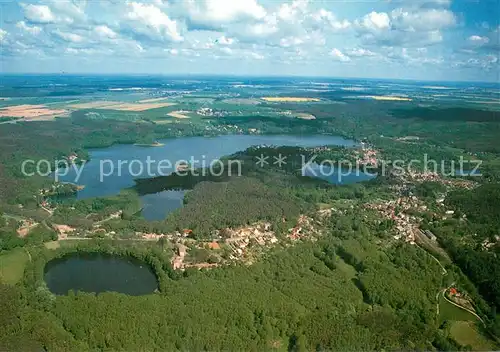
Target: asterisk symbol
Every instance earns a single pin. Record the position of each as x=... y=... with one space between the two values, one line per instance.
x=262 y=160
x=279 y=160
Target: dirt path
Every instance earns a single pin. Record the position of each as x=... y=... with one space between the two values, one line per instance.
x=28 y=253
x=111 y=217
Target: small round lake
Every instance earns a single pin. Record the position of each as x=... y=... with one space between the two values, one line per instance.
x=95 y=272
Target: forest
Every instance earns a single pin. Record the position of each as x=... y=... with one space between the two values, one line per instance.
x=473 y=241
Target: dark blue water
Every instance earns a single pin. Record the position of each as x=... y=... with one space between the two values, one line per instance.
x=337 y=176
x=158 y=205
x=98 y=273
x=112 y=169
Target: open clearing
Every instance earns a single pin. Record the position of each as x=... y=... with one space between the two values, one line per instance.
x=467 y=334
x=12 y=265
x=289 y=99
x=448 y=311
x=120 y=106
x=179 y=114
x=32 y=112
x=162 y=122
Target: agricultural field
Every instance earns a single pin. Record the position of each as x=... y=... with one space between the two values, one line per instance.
x=467 y=333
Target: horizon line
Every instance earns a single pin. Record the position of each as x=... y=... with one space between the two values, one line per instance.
x=497 y=82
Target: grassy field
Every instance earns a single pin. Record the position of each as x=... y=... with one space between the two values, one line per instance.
x=467 y=334
x=448 y=311
x=12 y=264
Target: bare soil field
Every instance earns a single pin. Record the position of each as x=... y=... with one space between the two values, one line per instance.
x=304 y=116
x=179 y=114
x=120 y=106
x=138 y=107
x=32 y=112
x=152 y=100
x=94 y=104
x=289 y=99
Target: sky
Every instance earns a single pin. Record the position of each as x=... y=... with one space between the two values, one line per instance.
x=450 y=40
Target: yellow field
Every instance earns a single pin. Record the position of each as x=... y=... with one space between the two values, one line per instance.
x=179 y=114
x=12 y=265
x=31 y=112
x=389 y=98
x=289 y=99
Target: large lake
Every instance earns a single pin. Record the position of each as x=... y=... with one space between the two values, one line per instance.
x=115 y=168
x=93 y=272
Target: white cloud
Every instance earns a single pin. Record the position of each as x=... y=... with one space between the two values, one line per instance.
x=214 y=13
x=257 y=56
x=327 y=20
x=103 y=31
x=69 y=37
x=360 y=52
x=38 y=13
x=152 y=22
x=290 y=41
x=423 y=20
x=3 y=34
x=80 y=51
x=224 y=40
x=418 y=27
x=69 y=11
x=290 y=24
x=478 y=40
x=226 y=50
x=34 y=30
x=174 y=52
x=339 y=56
x=375 y=21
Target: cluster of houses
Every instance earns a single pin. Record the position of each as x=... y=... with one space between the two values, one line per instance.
x=367 y=156
x=304 y=228
x=25 y=226
x=397 y=210
x=209 y=112
x=240 y=239
x=413 y=176
x=224 y=128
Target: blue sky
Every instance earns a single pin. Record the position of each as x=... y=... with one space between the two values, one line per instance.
x=407 y=39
